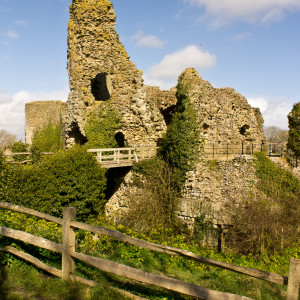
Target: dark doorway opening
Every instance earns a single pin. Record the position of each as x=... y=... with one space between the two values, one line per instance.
x=77 y=135
x=99 y=87
x=120 y=138
x=167 y=113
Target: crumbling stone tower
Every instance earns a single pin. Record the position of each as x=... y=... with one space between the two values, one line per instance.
x=101 y=75
x=223 y=114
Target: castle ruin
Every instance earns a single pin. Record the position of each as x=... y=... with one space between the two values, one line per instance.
x=101 y=76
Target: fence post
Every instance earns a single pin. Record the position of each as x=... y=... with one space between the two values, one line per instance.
x=294 y=279
x=68 y=242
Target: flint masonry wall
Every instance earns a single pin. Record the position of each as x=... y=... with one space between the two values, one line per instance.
x=39 y=113
x=101 y=76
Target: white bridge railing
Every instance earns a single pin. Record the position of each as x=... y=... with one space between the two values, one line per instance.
x=122 y=157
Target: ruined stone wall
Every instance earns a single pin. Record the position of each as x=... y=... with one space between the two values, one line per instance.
x=101 y=76
x=224 y=115
x=216 y=185
x=38 y=114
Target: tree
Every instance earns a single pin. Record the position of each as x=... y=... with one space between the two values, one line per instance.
x=181 y=145
x=6 y=139
x=275 y=134
x=294 y=129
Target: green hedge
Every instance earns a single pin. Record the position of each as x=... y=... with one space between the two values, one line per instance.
x=68 y=178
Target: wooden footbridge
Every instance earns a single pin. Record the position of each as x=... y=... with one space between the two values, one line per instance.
x=122 y=157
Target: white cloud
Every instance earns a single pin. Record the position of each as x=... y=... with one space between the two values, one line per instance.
x=274 y=111
x=242 y=36
x=12 y=108
x=172 y=65
x=12 y=34
x=149 y=41
x=225 y=11
x=4 y=43
x=22 y=23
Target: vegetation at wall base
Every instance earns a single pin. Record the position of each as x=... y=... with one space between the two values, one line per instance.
x=267 y=222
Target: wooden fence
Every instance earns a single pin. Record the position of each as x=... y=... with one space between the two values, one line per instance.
x=67 y=248
x=122 y=157
x=14 y=157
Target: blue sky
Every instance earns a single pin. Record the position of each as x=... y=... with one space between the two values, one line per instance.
x=252 y=46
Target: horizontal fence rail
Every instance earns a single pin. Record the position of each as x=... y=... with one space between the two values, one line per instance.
x=126 y=157
x=67 y=248
x=226 y=150
x=122 y=157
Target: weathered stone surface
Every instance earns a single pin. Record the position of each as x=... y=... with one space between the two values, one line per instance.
x=218 y=186
x=38 y=114
x=102 y=75
x=223 y=114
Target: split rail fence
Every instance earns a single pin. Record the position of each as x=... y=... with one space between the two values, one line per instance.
x=67 y=248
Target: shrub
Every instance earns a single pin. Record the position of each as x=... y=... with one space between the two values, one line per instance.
x=269 y=221
x=19 y=147
x=100 y=129
x=48 y=139
x=68 y=178
x=155 y=202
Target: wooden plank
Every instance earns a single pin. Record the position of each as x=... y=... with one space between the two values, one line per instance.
x=264 y=275
x=294 y=280
x=56 y=272
x=30 y=239
x=32 y=260
x=30 y=212
x=157 y=280
x=68 y=243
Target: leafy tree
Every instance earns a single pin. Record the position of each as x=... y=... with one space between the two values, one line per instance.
x=181 y=145
x=48 y=139
x=101 y=128
x=68 y=178
x=294 y=129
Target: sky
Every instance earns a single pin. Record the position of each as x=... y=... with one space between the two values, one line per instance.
x=252 y=46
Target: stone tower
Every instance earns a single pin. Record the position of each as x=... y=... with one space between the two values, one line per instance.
x=101 y=75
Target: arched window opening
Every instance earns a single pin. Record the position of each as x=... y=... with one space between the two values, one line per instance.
x=101 y=87
x=244 y=129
